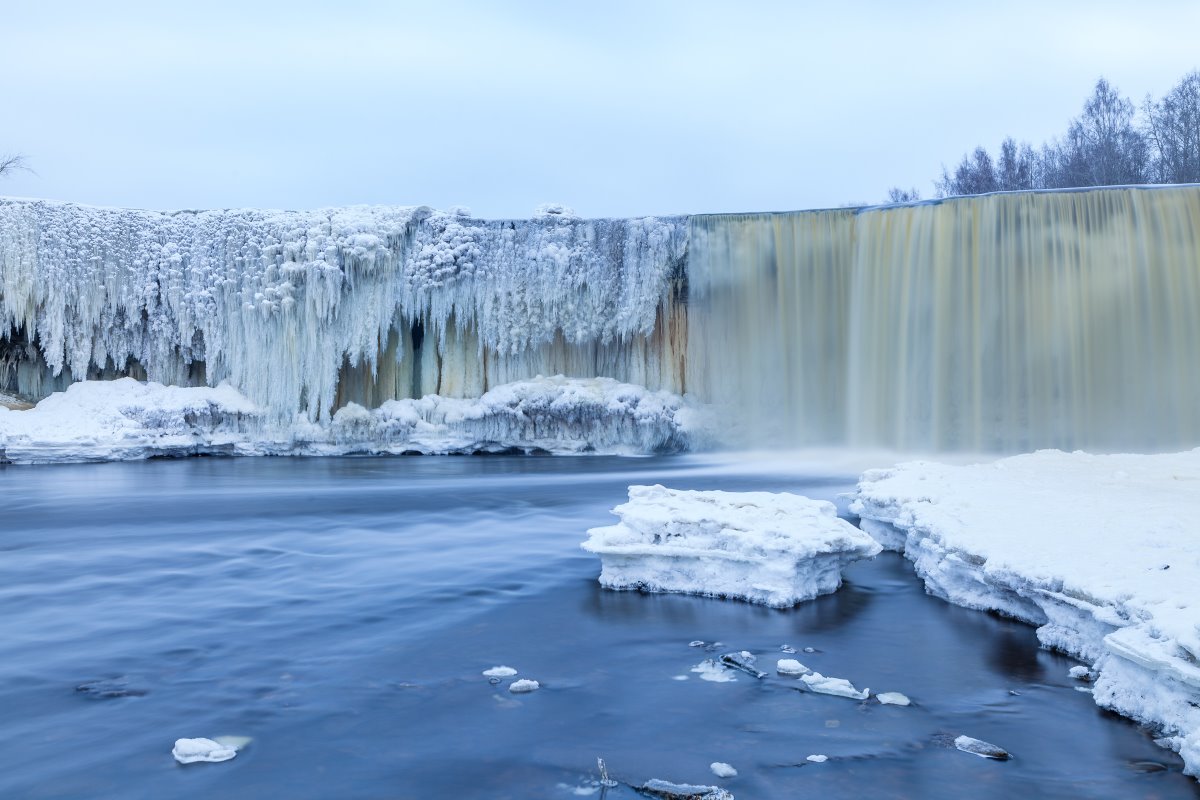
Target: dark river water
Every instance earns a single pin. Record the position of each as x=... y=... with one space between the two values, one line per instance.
x=340 y=612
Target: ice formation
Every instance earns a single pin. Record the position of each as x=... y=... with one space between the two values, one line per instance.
x=775 y=549
x=790 y=666
x=978 y=747
x=683 y=791
x=893 y=699
x=817 y=758
x=1100 y=552
x=524 y=686
x=722 y=770
x=304 y=310
x=838 y=687
x=124 y=419
x=499 y=672
x=190 y=751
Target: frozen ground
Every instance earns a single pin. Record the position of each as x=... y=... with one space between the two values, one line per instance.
x=1102 y=553
x=127 y=420
x=776 y=549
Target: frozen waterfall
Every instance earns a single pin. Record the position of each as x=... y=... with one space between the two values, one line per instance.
x=1000 y=322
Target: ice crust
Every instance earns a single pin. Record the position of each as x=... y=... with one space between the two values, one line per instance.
x=774 y=549
x=127 y=420
x=1101 y=552
x=191 y=751
x=277 y=302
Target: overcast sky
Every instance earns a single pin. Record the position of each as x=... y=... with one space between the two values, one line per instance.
x=614 y=108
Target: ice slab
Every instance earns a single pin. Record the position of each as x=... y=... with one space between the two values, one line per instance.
x=683 y=791
x=128 y=420
x=774 y=549
x=980 y=748
x=1100 y=552
x=524 y=686
x=893 y=699
x=499 y=672
x=838 y=687
x=722 y=770
x=191 y=751
x=790 y=666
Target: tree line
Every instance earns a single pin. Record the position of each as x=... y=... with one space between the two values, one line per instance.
x=1112 y=142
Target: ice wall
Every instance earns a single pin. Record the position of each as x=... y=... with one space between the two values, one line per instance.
x=304 y=311
x=1001 y=322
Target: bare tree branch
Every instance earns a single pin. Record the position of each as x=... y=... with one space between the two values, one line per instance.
x=9 y=164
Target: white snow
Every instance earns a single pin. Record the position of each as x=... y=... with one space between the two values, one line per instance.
x=524 y=686
x=790 y=666
x=817 y=759
x=124 y=419
x=978 y=747
x=499 y=672
x=190 y=751
x=722 y=770
x=714 y=671
x=838 y=687
x=893 y=699
x=277 y=303
x=775 y=549
x=1101 y=552
x=1080 y=673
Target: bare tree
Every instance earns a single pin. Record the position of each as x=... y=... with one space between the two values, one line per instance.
x=898 y=195
x=1172 y=130
x=10 y=164
x=1103 y=146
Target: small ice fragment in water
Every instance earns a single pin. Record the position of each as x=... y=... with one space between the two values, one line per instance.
x=189 y=751
x=683 y=791
x=524 y=686
x=892 y=699
x=787 y=648
x=838 y=687
x=743 y=661
x=818 y=759
x=1080 y=673
x=790 y=666
x=696 y=643
x=981 y=748
x=710 y=670
x=679 y=677
x=810 y=649
x=499 y=672
x=1083 y=689
x=722 y=770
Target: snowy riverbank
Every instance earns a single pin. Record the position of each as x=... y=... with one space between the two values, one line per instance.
x=1102 y=553
x=126 y=420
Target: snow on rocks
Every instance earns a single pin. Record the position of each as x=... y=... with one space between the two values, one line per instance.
x=774 y=549
x=524 y=686
x=1099 y=551
x=790 y=666
x=980 y=748
x=838 y=687
x=127 y=420
x=190 y=751
x=499 y=672
x=683 y=791
x=893 y=699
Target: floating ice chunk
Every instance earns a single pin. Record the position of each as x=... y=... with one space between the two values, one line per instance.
x=696 y=643
x=722 y=770
x=787 y=648
x=743 y=661
x=893 y=699
x=683 y=791
x=839 y=687
x=810 y=649
x=790 y=666
x=190 y=751
x=499 y=672
x=679 y=677
x=1087 y=689
x=1080 y=673
x=775 y=549
x=524 y=686
x=817 y=759
x=711 y=670
x=981 y=748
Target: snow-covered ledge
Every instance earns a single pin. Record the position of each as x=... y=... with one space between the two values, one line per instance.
x=1102 y=553
x=775 y=549
x=127 y=420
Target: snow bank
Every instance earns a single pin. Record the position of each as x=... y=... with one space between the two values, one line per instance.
x=775 y=549
x=1102 y=553
x=128 y=420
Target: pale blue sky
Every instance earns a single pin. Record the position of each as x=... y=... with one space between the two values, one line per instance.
x=614 y=108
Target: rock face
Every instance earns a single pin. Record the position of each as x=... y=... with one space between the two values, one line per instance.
x=774 y=549
x=1099 y=551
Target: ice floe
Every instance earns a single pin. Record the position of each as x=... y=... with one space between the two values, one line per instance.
x=712 y=670
x=524 y=686
x=980 y=748
x=893 y=699
x=190 y=751
x=683 y=791
x=722 y=770
x=774 y=549
x=499 y=672
x=817 y=758
x=1100 y=552
x=743 y=661
x=790 y=666
x=838 y=687
x=127 y=420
